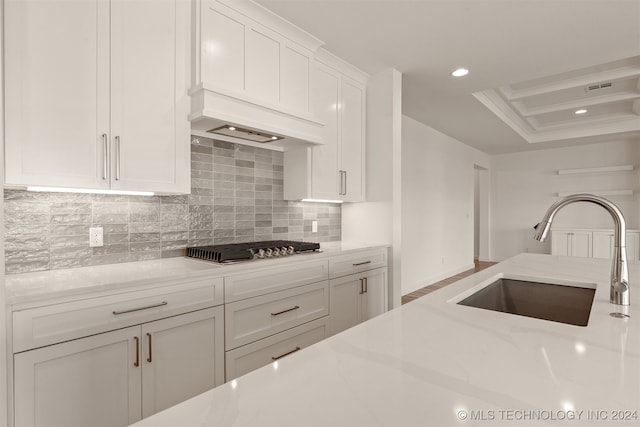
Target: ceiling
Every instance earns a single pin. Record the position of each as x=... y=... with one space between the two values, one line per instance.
x=546 y=52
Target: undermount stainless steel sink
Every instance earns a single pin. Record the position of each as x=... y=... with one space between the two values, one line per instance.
x=554 y=302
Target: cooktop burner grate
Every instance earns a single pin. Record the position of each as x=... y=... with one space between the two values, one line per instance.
x=251 y=250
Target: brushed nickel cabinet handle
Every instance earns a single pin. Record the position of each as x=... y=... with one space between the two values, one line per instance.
x=117 y=158
x=361 y=263
x=340 y=182
x=361 y=286
x=137 y=362
x=285 y=354
x=344 y=193
x=366 y=285
x=149 y=358
x=140 y=308
x=105 y=154
x=285 y=311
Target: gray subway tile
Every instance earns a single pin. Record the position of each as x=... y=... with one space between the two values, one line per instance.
x=236 y=196
x=144 y=237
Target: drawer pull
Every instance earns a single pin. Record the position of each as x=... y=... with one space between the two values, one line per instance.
x=149 y=358
x=140 y=308
x=362 y=263
x=285 y=311
x=137 y=362
x=285 y=354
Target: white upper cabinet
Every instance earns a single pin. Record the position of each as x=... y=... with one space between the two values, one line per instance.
x=252 y=70
x=56 y=92
x=352 y=114
x=334 y=170
x=97 y=94
x=149 y=95
x=325 y=159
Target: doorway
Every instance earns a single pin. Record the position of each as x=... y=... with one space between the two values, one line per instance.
x=480 y=214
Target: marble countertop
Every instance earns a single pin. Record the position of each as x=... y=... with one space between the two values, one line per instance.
x=54 y=285
x=435 y=363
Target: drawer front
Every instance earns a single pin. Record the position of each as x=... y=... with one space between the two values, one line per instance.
x=260 y=353
x=256 y=318
x=264 y=281
x=37 y=327
x=355 y=263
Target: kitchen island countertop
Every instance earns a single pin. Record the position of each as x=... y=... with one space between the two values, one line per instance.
x=435 y=363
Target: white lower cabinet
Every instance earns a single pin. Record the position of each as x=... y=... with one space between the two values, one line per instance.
x=85 y=382
x=592 y=243
x=356 y=298
x=268 y=350
x=271 y=324
x=571 y=243
x=117 y=377
x=603 y=244
x=182 y=356
x=112 y=359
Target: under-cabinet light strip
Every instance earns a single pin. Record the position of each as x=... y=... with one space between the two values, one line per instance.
x=88 y=191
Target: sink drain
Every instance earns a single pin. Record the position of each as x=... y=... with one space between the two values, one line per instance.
x=620 y=315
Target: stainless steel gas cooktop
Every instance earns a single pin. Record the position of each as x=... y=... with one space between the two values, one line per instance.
x=251 y=250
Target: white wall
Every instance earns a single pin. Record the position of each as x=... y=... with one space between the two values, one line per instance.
x=437 y=204
x=377 y=219
x=524 y=185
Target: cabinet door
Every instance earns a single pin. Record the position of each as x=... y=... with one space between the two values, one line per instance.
x=581 y=243
x=633 y=246
x=603 y=244
x=86 y=382
x=182 y=356
x=375 y=296
x=560 y=242
x=345 y=302
x=149 y=101
x=324 y=103
x=352 y=116
x=57 y=92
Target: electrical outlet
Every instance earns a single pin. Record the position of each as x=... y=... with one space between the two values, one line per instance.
x=95 y=237
x=314 y=226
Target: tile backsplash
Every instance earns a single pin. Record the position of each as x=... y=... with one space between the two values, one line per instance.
x=236 y=196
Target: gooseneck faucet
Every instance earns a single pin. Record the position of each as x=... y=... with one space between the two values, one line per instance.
x=619 y=270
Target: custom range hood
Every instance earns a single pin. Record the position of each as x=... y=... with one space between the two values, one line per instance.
x=252 y=72
x=215 y=113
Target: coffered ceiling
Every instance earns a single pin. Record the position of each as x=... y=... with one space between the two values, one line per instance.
x=531 y=64
x=594 y=101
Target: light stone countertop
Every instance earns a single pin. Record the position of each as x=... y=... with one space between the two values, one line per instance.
x=52 y=286
x=435 y=363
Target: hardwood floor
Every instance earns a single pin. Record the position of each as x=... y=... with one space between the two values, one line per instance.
x=479 y=266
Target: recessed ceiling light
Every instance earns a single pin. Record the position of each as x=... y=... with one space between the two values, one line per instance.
x=231 y=128
x=274 y=137
x=582 y=111
x=460 y=72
